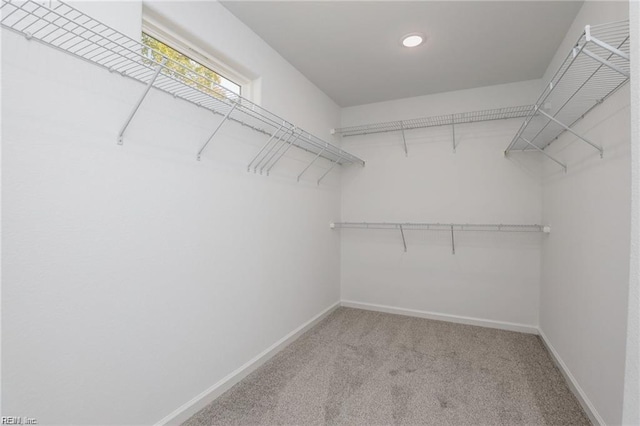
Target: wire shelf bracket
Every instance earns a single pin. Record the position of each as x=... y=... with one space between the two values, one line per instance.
x=545 y=153
x=215 y=131
x=137 y=106
x=452 y=228
x=335 y=163
x=568 y=129
x=294 y=137
x=453 y=136
x=434 y=121
x=453 y=242
x=66 y=29
x=273 y=135
x=404 y=140
x=309 y=165
x=595 y=68
x=271 y=152
x=404 y=241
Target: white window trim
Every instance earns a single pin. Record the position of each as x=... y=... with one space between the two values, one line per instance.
x=182 y=45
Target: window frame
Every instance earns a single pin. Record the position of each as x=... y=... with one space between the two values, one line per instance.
x=183 y=46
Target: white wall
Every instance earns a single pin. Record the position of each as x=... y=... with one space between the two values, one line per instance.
x=631 y=407
x=492 y=276
x=585 y=261
x=135 y=277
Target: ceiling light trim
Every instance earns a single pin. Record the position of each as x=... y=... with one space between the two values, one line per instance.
x=412 y=40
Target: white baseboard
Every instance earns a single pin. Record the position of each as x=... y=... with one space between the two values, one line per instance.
x=573 y=383
x=522 y=328
x=202 y=400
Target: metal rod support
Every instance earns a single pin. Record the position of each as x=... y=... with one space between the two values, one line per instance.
x=545 y=154
x=605 y=62
x=279 y=142
x=282 y=153
x=608 y=47
x=453 y=242
x=288 y=143
x=216 y=130
x=265 y=145
x=273 y=151
x=404 y=241
x=137 y=106
x=328 y=171
x=568 y=129
x=309 y=165
x=453 y=128
x=404 y=140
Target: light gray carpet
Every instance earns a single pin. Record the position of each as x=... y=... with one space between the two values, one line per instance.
x=366 y=368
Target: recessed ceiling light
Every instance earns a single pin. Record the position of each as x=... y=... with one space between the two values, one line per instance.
x=412 y=40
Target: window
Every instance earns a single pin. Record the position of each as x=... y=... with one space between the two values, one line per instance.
x=188 y=70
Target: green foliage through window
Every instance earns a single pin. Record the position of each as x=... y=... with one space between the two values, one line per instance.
x=188 y=71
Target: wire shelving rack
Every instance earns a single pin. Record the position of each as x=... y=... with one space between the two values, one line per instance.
x=451 y=228
x=595 y=68
x=69 y=30
x=434 y=121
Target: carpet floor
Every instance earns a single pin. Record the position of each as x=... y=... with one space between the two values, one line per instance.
x=359 y=367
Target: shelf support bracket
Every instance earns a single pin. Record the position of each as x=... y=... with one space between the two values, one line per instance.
x=589 y=37
x=453 y=242
x=335 y=163
x=137 y=106
x=292 y=141
x=564 y=167
x=453 y=128
x=265 y=145
x=404 y=242
x=311 y=163
x=605 y=62
x=216 y=130
x=568 y=129
x=404 y=140
x=268 y=155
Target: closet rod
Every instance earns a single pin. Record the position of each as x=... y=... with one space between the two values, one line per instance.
x=448 y=227
x=437 y=226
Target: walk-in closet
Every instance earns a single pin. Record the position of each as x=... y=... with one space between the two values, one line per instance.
x=320 y=212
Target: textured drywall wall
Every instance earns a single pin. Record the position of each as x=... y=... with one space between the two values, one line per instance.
x=134 y=276
x=492 y=276
x=585 y=260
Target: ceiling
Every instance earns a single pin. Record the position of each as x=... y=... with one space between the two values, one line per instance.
x=351 y=49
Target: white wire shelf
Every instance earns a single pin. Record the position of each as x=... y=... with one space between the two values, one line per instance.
x=67 y=29
x=451 y=228
x=595 y=68
x=438 y=120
